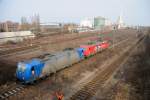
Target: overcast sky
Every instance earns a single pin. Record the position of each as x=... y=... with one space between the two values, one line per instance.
x=135 y=12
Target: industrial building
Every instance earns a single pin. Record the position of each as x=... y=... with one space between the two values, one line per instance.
x=120 y=23
x=9 y=26
x=50 y=27
x=101 y=22
x=15 y=36
x=86 y=23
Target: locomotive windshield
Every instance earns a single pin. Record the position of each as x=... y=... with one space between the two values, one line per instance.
x=21 y=67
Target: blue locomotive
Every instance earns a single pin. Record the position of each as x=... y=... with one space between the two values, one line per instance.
x=28 y=71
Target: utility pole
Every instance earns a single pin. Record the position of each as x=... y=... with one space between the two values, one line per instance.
x=113 y=36
x=113 y=39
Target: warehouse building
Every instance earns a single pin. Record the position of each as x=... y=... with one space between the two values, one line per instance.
x=9 y=26
x=50 y=27
x=86 y=23
x=15 y=36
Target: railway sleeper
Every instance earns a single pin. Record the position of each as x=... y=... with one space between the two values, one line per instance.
x=6 y=94
x=14 y=91
x=2 y=97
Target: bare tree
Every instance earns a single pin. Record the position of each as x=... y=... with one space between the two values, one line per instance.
x=35 y=23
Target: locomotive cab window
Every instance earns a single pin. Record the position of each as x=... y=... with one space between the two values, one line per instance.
x=82 y=50
x=21 y=67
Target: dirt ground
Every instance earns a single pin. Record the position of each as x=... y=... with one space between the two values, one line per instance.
x=136 y=74
x=132 y=81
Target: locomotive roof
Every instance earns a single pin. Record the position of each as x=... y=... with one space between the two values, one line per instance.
x=86 y=46
x=32 y=62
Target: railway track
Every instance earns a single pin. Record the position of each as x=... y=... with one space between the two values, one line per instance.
x=89 y=90
x=14 y=90
x=36 y=45
x=22 y=51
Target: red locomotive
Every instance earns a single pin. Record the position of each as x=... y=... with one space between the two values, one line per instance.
x=88 y=50
x=91 y=49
